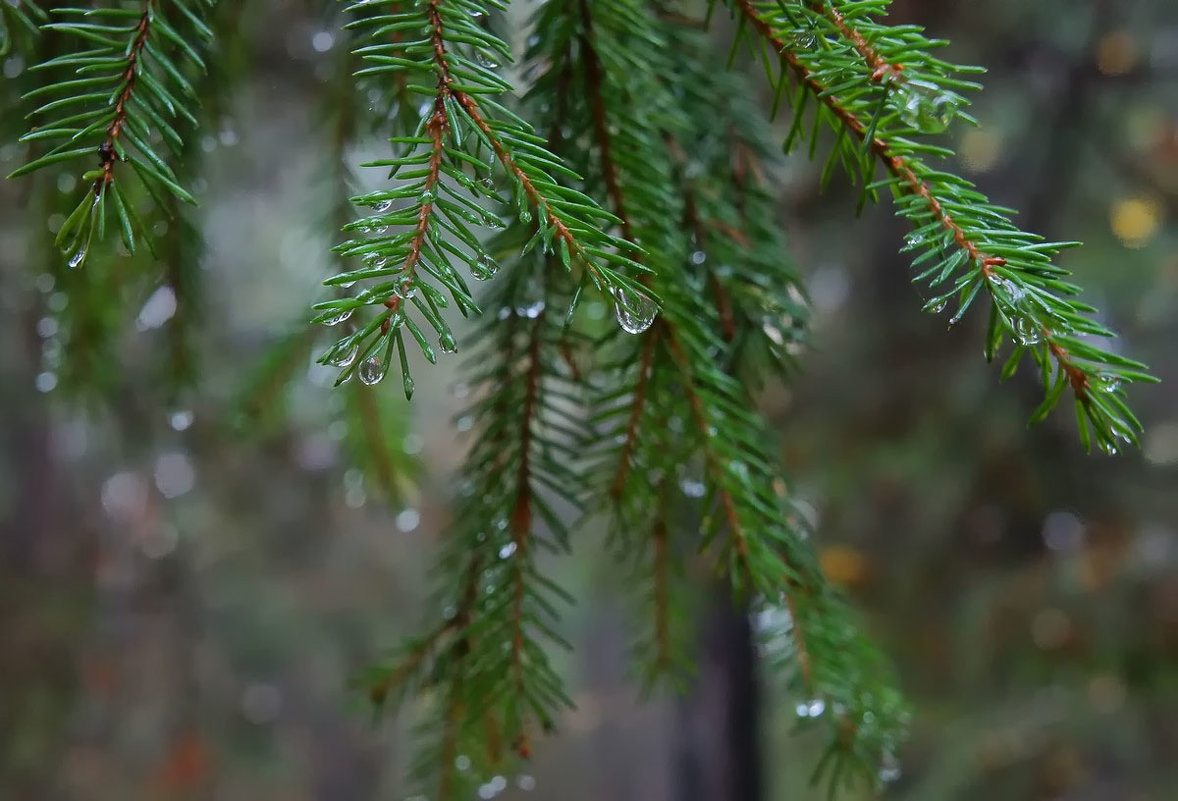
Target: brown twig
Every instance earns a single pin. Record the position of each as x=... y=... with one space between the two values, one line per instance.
x=521 y=515
x=898 y=166
x=107 y=151
x=645 y=365
x=471 y=106
x=436 y=127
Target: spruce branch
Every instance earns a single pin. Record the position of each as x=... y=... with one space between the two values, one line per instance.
x=464 y=133
x=487 y=661
x=878 y=88
x=133 y=86
x=680 y=374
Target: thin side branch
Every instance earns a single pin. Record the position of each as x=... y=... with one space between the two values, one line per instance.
x=107 y=152
x=897 y=165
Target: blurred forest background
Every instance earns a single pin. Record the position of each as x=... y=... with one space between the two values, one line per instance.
x=191 y=573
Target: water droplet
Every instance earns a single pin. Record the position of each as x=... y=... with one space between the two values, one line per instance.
x=1107 y=382
x=925 y=107
x=488 y=182
x=811 y=709
x=493 y=222
x=634 y=310
x=446 y=342
x=322 y=41
x=428 y=196
x=1027 y=331
x=407 y=520
x=485 y=60
x=531 y=310
x=484 y=267
x=78 y=257
x=405 y=287
x=46 y=382
x=913 y=241
x=181 y=419
x=699 y=257
x=935 y=306
x=344 y=356
x=526 y=783
x=381 y=206
x=507 y=551
x=372 y=371
x=525 y=216
x=407 y=383
x=803 y=41
x=889 y=769
x=462 y=762
x=339 y=318
x=692 y=488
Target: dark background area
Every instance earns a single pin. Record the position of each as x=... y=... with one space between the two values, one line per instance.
x=183 y=605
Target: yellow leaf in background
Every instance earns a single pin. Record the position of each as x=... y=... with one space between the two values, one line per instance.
x=843 y=564
x=1136 y=220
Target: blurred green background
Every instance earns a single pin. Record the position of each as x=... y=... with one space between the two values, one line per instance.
x=188 y=582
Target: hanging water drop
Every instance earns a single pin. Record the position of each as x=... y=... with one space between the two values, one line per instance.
x=78 y=257
x=371 y=371
x=485 y=60
x=936 y=306
x=507 y=550
x=634 y=310
x=525 y=216
x=699 y=257
x=889 y=769
x=339 y=318
x=803 y=41
x=381 y=206
x=407 y=383
x=531 y=310
x=446 y=342
x=405 y=287
x=1107 y=382
x=493 y=222
x=1027 y=331
x=484 y=267
x=428 y=196
x=344 y=356
x=925 y=107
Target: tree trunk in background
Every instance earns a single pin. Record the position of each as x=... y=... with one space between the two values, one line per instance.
x=717 y=744
x=44 y=576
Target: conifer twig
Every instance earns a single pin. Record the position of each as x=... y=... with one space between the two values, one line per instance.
x=1026 y=295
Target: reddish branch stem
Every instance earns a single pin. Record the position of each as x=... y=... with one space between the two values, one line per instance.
x=600 y=122
x=107 y=151
x=640 y=387
x=897 y=165
x=436 y=127
x=471 y=107
x=521 y=515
